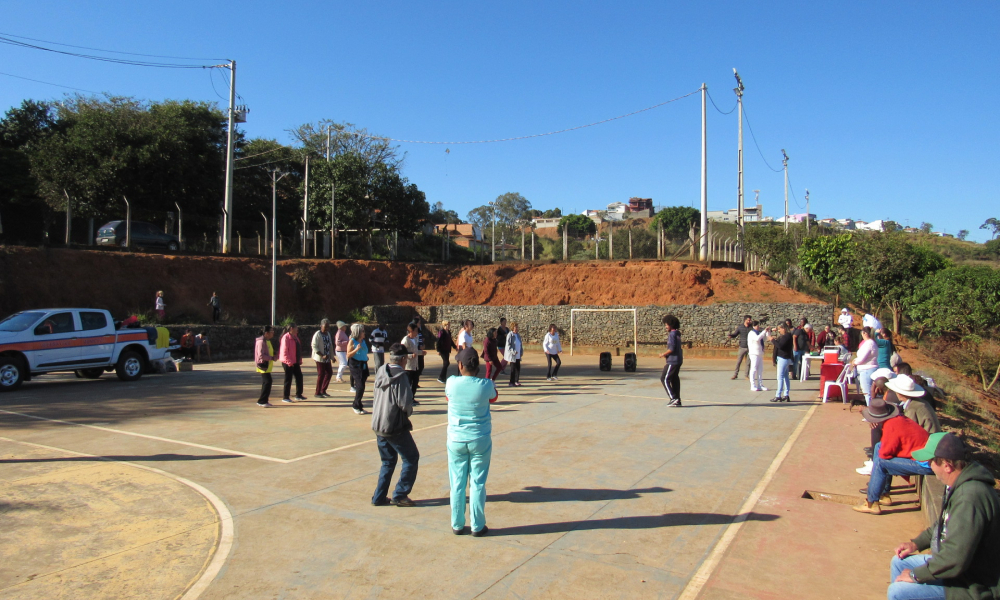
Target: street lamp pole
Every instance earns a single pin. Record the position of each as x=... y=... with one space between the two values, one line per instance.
x=493 y=236
x=274 y=244
x=739 y=206
x=784 y=165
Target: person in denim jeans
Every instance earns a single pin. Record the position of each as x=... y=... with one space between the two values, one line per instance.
x=391 y=412
x=470 y=445
x=866 y=362
x=893 y=455
x=783 y=357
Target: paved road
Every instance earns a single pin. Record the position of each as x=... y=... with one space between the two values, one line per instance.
x=597 y=489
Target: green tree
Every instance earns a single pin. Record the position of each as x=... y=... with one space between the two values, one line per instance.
x=962 y=234
x=439 y=215
x=511 y=211
x=926 y=227
x=773 y=246
x=993 y=225
x=578 y=225
x=676 y=221
x=346 y=138
x=826 y=260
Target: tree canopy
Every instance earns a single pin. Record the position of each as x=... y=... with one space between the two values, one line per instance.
x=578 y=225
x=676 y=221
x=511 y=211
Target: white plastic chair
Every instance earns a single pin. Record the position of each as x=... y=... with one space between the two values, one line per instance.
x=840 y=382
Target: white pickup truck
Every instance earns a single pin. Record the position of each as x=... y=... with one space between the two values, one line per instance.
x=84 y=340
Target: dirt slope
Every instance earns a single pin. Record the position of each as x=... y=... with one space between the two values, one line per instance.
x=126 y=283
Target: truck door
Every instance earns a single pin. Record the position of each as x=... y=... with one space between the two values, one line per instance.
x=56 y=342
x=97 y=338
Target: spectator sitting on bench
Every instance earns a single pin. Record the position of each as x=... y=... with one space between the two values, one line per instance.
x=965 y=540
x=910 y=397
x=892 y=455
x=187 y=345
x=201 y=343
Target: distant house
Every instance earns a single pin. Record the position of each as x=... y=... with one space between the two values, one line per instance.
x=541 y=223
x=832 y=223
x=465 y=235
x=750 y=214
x=617 y=211
x=597 y=216
x=848 y=224
x=640 y=208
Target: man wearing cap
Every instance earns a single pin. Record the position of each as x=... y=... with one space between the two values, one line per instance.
x=965 y=540
x=910 y=396
x=470 y=445
x=893 y=455
x=391 y=412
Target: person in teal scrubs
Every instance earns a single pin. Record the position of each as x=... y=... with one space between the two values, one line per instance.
x=470 y=445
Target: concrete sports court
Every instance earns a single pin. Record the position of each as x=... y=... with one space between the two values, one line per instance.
x=177 y=486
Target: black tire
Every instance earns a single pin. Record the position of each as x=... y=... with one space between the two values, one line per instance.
x=172 y=247
x=130 y=366
x=94 y=373
x=11 y=373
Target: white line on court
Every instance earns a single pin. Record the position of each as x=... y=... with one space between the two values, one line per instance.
x=224 y=543
x=150 y=437
x=694 y=587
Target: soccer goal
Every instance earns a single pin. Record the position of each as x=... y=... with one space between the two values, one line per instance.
x=635 y=323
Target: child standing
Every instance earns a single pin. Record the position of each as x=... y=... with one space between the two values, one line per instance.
x=675 y=358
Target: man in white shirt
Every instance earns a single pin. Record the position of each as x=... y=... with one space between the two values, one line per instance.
x=845 y=318
x=755 y=350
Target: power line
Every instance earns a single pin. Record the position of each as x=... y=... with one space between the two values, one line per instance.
x=211 y=77
x=717 y=106
x=755 y=141
x=262 y=153
x=794 y=197
x=524 y=137
x=121 y=61
x=263 y=163
x=21 y=37
x=69 y=87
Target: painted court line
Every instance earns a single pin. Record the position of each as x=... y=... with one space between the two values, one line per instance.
x=704 y=572
x=151 y=437
x=703 y=402
x=224 y=543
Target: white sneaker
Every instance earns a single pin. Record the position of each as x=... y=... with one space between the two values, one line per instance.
x=360 y=411
x=548 y=379
x=288 y=400
x=753 y=389
x=265 y=405
x=555 y=379
x=869 y=463
x=763 y=389
x=353 y=390
x=865 y=470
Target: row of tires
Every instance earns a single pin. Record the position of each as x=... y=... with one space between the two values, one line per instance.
x=13 y=370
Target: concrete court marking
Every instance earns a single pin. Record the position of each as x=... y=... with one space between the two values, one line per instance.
x=224 y=542
x=702 y=402
x=695 y=585
x=247 y=454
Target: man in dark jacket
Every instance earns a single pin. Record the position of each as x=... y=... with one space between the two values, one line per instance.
x=741 y=332
x=965 y=541
x=391 y=412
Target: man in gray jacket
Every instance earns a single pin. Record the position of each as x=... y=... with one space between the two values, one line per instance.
x=391 y=412
x=741 y=333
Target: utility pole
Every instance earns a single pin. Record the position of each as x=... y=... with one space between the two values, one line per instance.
x=128 y=223
x=703 y=237
x=807 y=211
x=227 y=234
x=328 y=127
x=180 y=226
x=305 y=212
x=784 y=165
x=739 y=157
x=493 y=236
x=69 y=218
x=274 y=244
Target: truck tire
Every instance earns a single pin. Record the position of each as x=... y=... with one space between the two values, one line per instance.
x=11 y=373
x=130 y=366
x=94 y=373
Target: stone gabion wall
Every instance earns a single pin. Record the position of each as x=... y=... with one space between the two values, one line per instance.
x=701 y=326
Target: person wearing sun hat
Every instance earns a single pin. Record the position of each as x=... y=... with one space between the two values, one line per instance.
x=911 y=401
x=964 y=542
x=892 y=455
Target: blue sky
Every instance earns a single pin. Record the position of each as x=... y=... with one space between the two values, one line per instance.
x=887 y=109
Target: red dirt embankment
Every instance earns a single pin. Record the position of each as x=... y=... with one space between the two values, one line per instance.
x=126 y=283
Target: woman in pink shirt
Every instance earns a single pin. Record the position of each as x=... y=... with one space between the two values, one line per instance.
x=866 y=362
x=290 y=357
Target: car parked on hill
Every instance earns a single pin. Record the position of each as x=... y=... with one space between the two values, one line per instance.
x=144 y=234
x=84 y=340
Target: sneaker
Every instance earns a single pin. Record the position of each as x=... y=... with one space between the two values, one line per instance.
x=481 y=532
x=675 y=403
x=763 y=389
x=405 y=502
x=548 y=379
x=555 y=379
x=518 y=384
x=415 y=403
x=865 y=470
x=353 y=391
x=753 y=389
x=288 y=400
x=301 y=397
x=360 y=411
x=440 y=381
x=265 y=405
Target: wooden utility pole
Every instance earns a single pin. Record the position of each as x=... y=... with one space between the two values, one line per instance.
x=566 y=241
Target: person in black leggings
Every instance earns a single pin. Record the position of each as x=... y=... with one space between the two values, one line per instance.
x=445 y=344
x=552 y=348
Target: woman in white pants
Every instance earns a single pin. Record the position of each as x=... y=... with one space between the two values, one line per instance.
x=755 y=350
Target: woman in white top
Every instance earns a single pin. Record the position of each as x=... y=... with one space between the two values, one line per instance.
x=512 y=354
x=161 y=306
x=866 y=362
x=755 y=350
x=552 y=347
x=465 y=335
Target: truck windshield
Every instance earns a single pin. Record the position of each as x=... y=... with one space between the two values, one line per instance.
x=20 y=321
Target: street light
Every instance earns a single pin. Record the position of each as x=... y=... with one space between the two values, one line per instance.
x=493 y=235
x=275 y=178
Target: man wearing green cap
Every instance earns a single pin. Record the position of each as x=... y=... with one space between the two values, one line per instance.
x=965 y=540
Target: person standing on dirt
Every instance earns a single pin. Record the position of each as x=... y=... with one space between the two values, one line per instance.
x=290 y=356
x=216 y=305
x=357 y=360
x=783 y=355
x=322 y=353
x=378 y=338
x=264 y=360
x=391 y=410
x=412 y=345
x=741 y=332
x=552 y=347
x=340 y=344
x=160 y=307
x=445 y=344
x=964 y=542
x=670 y=376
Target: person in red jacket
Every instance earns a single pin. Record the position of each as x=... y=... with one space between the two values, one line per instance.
x=893 y=455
